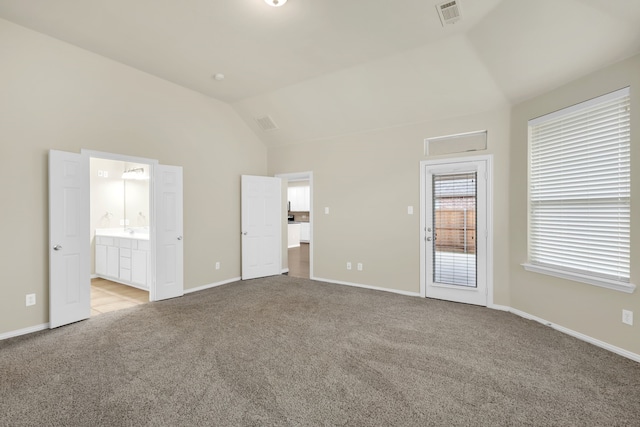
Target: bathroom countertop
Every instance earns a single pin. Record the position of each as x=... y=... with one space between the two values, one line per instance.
x=129 y=233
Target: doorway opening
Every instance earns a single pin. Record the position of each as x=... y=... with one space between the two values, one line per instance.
x=299 y=230
x=70 y=242
x=120 y=224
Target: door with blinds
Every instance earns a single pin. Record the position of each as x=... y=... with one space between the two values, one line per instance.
x=455 y=233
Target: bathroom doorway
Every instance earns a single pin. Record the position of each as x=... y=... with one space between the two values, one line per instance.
x=119 y=199
x=69 y=236
x=298 y=233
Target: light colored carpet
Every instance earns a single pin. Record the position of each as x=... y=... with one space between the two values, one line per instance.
x=286 y=351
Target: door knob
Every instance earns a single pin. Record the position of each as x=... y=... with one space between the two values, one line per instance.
x=57 y=248
x=179 y=237
x=244 y=233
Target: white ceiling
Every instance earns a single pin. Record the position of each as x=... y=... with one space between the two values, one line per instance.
x=321 y=68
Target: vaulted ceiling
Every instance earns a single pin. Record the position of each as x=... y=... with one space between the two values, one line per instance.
x=320 y=68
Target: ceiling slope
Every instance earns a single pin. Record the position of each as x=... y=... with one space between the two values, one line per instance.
x=532 y=47
x=438 y=81
x=330 y=67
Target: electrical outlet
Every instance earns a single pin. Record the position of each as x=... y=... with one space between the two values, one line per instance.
x=359 y=266
x=30 y=300
x=326 y=211
x=348 y=265
x=218 y=265
x=627 y=317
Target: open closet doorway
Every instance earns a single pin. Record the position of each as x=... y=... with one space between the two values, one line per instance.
x=299 y=229
x=120 y=223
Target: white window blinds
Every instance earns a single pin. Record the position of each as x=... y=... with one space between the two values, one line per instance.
x=454 y=213
x=579 y=188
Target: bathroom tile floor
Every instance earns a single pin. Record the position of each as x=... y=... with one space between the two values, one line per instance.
x=111 y=296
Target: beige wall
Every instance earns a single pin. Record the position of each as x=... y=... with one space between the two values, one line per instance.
x=587 y=309
x=367 y=180
x=56 y=96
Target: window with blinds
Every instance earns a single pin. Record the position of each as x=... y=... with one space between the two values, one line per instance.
x=579 y=189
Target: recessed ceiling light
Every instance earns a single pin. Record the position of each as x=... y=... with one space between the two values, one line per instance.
x=218 y=76
x=275 y=3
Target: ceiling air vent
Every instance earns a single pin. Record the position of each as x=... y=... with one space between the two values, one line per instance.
x=266 y=123
x=449 y=12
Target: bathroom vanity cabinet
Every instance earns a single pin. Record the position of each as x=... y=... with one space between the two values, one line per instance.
x=123 y=259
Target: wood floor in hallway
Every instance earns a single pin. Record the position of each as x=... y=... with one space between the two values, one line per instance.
x=299 y=261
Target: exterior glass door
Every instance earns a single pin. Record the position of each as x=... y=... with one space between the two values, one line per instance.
x=456 y=232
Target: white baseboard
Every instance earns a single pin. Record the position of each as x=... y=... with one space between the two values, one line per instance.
x=284 y=270
x=24 y=331
x=211 y=285
x=571 y=332
x=375 y=288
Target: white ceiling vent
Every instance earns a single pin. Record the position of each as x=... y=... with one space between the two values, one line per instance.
x=449 y=12
x=266 y=123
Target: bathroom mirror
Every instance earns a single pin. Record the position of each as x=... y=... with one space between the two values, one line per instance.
x=119 y=195
x=135 y=181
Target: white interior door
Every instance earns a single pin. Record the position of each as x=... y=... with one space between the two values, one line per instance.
x=456 y=231
x=261 y=226
x=69 y=277
x=169 y=231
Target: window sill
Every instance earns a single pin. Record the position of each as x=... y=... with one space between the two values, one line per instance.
x=576 y=277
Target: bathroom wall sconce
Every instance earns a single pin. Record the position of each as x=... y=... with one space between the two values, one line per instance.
x=136 y=173
x=275 y=3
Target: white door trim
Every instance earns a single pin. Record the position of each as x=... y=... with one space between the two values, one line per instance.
x=488 y=159
x=304 y=175
x=88 y=154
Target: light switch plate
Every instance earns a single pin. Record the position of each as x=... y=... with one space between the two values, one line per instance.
x=326 y=211
x=410 y=210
